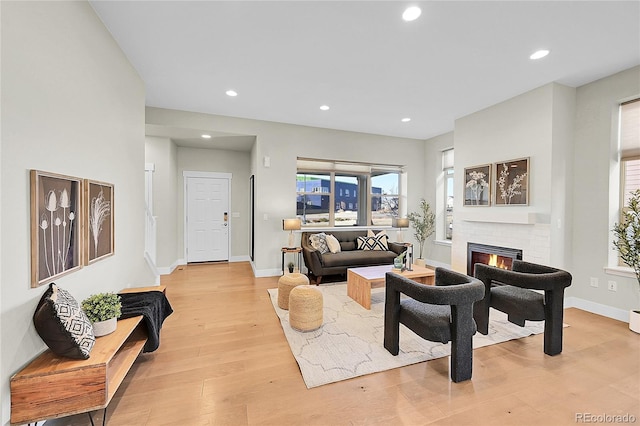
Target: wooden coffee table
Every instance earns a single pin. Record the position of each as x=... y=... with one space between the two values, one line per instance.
x=360 y=281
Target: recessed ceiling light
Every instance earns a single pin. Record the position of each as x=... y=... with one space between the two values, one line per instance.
x=539 y=54
x=406 y=120
x=206 y=136
x=411 y=13
x=231 y=93
x=324 y=107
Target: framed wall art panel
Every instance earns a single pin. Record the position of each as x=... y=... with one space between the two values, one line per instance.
x=56 y=226
x=99 y=214
x=477 y=185
x=512 y=182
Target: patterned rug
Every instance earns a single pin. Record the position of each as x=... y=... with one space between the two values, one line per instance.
x=349 y=343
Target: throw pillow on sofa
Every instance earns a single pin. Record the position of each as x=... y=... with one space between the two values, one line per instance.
x=376 y=242
x=333 y=243
x=63 y=325
x=319 y=242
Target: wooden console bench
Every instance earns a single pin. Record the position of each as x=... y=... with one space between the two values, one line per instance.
x=52 y=386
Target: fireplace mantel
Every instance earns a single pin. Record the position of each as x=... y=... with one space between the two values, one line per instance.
x=497 y=215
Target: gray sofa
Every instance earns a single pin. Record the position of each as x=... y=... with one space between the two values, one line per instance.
x=320 y=265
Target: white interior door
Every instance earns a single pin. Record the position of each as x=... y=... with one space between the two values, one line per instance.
x=207 y=219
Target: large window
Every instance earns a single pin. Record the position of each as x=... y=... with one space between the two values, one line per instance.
x=352 y=193
x=629 y=153
x=447 y=169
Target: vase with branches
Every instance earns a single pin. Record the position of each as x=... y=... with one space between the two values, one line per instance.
x=423 y=223
x=627 y=242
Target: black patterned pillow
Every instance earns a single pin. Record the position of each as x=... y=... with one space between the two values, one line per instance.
x=319 y=242
x=63 y=325
x=379 y=242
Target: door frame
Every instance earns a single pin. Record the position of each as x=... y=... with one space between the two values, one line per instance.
x=210 y=175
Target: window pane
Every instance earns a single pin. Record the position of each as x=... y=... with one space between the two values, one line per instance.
x=316 y=183
x=312 y=209
x=631 y=178
x=346 y=206
x=448 y=222
x=384 y=197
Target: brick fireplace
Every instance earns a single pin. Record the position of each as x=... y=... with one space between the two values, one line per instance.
x=534 y=239
x=501 y=257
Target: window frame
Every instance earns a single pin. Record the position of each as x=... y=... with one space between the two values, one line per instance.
x=362 y=196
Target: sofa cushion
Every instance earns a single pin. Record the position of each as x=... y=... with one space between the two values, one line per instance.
x=62 y=324
x=347 y=245
x=357 y=258
x=319 y=242
x=377 y=242
x=333 y=244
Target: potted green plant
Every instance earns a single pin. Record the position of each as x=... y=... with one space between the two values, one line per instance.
x=290 y=265
x=627 y=242
x=423 y=223
x=103 y=310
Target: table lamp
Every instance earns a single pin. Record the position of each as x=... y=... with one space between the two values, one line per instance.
x=400 y=222
x=291 y=225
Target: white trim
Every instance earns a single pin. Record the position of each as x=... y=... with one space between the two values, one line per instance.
x=168 y=270
x=149 y=167
x=211 y=175
x=261 y=273
x=244 y=258
x=153 y=267
x=186 y=174
x=597 y=308
x=621 y=271
x=443 y=243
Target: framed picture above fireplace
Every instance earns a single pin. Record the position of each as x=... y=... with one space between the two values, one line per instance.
x=512 y=182
x=477 y=185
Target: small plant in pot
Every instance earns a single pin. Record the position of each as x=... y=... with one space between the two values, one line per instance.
x=424 y=225
x=103 y=310
x=290 y=265
x=627 y=242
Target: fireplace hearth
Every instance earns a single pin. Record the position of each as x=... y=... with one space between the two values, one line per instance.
x=502 y=257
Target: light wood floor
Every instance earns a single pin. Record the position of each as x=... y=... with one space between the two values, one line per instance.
x=224 y=360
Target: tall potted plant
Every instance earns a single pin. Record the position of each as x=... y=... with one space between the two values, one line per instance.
x=627 y=242
x=423 y=223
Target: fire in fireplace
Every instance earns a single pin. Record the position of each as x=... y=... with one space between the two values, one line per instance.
x=501 y=257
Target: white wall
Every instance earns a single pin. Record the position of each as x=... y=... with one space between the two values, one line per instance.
x=596 y=185
x=162 y=152
x=516 y=128
x=71 y=104
x=283 y=143
x=221 y=161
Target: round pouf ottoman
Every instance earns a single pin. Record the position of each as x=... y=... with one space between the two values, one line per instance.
x=285 y=284
x=305 y=308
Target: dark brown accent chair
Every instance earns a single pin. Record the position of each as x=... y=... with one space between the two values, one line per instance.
x=512 y=293
x=440 y=313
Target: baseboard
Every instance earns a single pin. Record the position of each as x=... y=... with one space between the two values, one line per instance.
x=244 y=258
x=261 y=273
x=436 y=264
x=168 y=270
x=597 y=308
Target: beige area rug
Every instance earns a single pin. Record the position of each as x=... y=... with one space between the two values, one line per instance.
x=349 y=343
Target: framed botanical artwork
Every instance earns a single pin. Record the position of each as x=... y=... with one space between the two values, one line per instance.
x=512 y=182
x=56 y=226
x=477 y=185
x=99 y=229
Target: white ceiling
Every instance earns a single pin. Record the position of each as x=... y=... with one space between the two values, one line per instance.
x=287 y=58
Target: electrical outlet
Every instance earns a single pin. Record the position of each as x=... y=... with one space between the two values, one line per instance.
x=594 y=282
x=612 y=286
